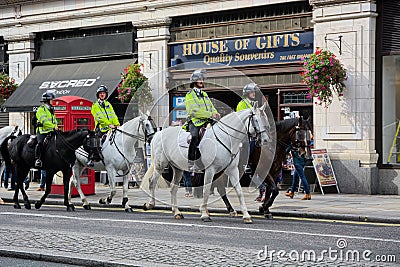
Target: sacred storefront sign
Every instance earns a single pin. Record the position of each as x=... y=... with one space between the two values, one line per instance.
x=257 y=49
x=323 y=168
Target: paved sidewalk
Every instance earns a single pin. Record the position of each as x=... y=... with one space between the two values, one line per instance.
x=371 y=208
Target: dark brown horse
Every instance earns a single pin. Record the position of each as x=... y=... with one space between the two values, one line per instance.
x=291 y=131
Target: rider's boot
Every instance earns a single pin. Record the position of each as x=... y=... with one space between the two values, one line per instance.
x=247 y=168
x=38 y=152
x=193 y=168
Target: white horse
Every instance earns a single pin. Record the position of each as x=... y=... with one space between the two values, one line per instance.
x=119 y=153
x=219 y=150
x=4 y=133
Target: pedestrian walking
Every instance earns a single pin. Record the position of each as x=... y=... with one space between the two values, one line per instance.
x=299 y=162
x=187 y=182
x=42 y=181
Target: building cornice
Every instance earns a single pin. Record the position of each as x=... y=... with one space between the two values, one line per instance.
x=152 y=23
x=336 y=2
x=20 y=37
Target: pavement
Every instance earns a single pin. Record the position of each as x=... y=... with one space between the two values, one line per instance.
x=345 y=207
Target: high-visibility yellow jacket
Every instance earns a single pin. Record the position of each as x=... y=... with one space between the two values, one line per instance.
x=245 y=103
x=199 y=108
x=46 y=119
x=104 y=116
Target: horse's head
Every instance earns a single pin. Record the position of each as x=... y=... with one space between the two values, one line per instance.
x=259 y=125
x=148 y=126
x=301 y=137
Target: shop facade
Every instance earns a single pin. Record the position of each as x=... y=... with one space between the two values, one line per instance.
x=264 y=40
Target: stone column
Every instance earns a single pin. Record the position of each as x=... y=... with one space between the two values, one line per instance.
x=347 y=128
x=21 y=50
x=152 y=38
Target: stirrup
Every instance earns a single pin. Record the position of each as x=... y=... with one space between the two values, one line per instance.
x=247 y=169
x=38 y=163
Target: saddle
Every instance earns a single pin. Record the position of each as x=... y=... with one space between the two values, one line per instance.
x=93 y=146
x=202 y=131
x=32 y=141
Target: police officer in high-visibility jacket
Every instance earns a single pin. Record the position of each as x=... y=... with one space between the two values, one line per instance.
x=249 y=97
x=248 y=101
x=46 y=122
x=103 y=112
x=199 y=110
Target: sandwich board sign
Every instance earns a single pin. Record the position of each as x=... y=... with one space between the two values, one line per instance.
x=323 y=169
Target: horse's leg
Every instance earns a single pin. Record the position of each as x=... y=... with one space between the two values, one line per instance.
x=76 y=181
x=125 y=204
x=16 y=192
x=66 y=182
x=21 y=174
x=208 y=177
x=111 y=179
x=49 y=181
x=271 y=185
x=233 y=174
x=219 y=183
x=177 y=176
x=152 y=187
x=15 y=198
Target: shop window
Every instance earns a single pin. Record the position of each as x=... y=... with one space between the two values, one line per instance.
x=390 y=109
x=296 y=98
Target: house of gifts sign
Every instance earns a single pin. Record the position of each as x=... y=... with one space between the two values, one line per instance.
x=259 y=49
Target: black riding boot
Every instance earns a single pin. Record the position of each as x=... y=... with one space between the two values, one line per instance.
x=38 y=153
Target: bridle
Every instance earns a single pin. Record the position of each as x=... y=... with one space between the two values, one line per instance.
x=148 y=128
x=67 y=145
x=252 y=121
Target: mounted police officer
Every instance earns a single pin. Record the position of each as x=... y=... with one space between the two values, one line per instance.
x=105 y=120
x=249 y=101
x=46 y=122
x=249 y=97
x=199 y=110
x=103 y=112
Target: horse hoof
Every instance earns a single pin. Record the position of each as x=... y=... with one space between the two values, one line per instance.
x=148 y=206
x=233 y=214
x=17 y=206
x=261 y=209
x=179 y=216
x=206 y=219
x=248 y=220
x=38 y=205
x=71 y=208
x=27 y=206
x=268 y=216
x=102 y=201
x=129 y=210
x=87 y=207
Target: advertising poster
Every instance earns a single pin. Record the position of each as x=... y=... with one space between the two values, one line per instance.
x=323 y=168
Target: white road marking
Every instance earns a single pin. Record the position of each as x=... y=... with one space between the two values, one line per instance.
x=200 y=226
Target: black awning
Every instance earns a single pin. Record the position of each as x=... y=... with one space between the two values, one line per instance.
x=79 y=79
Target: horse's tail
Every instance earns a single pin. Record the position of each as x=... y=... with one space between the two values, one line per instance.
x=4 y=151
x=145 y=184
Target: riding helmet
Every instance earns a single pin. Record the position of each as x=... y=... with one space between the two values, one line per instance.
x=251 y=87
x=198 y=75
x=48 y=95
x=102 y=88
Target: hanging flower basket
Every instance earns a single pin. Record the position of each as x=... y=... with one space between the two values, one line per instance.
x=134 y=86
x=7 y=87
x=324 y=76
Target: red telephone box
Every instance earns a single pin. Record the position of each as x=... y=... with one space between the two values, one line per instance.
x=73 y=112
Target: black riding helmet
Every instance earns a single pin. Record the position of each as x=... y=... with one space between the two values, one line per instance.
x=102 y=88
x=47 y=96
